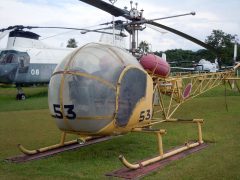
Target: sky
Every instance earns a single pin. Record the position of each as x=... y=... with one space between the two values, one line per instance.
x=210 y=14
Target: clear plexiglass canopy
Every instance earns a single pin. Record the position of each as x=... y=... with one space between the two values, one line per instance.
x=82 y=89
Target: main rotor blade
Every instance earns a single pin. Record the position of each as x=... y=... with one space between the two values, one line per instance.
x=190 y=38
x=10 y=28
x=103 y=32
x=156 y=29
x=57 y=27
x=20 y=27
x=113 y=10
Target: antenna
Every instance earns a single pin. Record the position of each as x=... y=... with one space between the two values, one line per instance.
x=113 y=2
x=235 y=50
x=131 y=2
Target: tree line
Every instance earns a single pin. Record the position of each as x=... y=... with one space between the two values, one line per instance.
x=221 y=41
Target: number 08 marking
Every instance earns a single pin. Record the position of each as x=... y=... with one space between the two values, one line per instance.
x=35 y=72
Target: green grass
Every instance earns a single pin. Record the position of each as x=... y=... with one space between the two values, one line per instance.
x=28 y=122
x=36 y=98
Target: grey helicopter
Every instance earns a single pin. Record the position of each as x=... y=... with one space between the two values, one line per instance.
x=27 y=60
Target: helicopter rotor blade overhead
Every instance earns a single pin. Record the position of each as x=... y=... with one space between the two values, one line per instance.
x=11 y=28
x=156 y=29
x=83 y=30
x=21 y=27
x=5 y=31
x=113 y=10
x=58 y=27
x=186 y=36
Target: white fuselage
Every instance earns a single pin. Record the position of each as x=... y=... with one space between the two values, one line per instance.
x=28 y=60
x=204 y=65
x=38 y=51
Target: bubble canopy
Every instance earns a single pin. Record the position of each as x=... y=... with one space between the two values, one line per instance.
x=84 y=91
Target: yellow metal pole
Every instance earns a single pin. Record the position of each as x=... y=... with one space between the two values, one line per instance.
x=162 y=102
x=26 y=151
x=160 y=144
x=170 y=103
x=209 y=81
x=200 y=139
x=155 y=159
x=63 y=138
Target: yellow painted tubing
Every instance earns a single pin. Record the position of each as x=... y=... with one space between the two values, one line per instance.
x=237 y=66
x=158 y=158
x=31 y=152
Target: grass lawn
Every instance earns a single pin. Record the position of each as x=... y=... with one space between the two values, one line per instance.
x=29 y=123
x=36 y=98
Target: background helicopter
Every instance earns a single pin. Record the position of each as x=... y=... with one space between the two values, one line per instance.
x=27 y=60
x=202 y=66
x=100 y=89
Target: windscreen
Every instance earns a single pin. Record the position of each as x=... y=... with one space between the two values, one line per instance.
x=12 y=56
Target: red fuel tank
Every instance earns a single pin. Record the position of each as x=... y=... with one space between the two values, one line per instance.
x=155 y=65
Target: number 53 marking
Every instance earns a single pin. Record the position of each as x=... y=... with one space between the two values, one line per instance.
x=70 y=113
x=145 y=115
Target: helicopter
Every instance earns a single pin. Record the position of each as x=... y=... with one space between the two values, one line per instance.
x=202 y=66
x=27 y=60
x=102 y=90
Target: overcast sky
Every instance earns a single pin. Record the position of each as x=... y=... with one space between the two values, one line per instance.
x=210 y=14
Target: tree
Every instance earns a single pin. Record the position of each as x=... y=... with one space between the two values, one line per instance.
x=179 y=55
x=72 y=43
x=224 y=43
x=143 y=46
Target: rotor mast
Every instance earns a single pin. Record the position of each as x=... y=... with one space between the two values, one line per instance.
x=133 y=27
x=137 y=21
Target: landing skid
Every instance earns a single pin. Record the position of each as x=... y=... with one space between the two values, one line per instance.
x=127 y=173
x=30 y=155
x=20 y=94
x=162 y=155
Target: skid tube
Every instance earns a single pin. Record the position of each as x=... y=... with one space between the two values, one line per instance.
x=48 y=148
x=163 y=155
